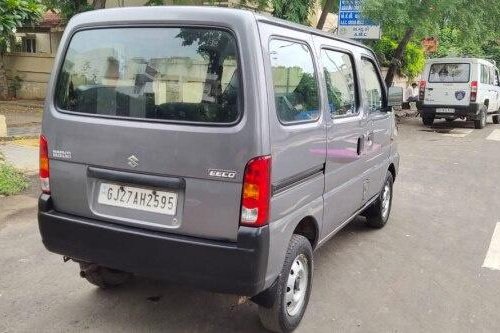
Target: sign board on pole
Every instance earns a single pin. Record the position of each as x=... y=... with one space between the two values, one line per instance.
x=352 y=24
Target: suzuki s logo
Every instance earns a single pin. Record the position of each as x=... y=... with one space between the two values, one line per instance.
x=133 y=161
x=227 y=174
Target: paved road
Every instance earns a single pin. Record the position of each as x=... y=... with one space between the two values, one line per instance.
x=422 y=273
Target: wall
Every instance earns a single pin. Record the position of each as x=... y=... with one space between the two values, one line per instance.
x=34 y=69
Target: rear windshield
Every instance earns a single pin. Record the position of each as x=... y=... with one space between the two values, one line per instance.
x=449 y=73
x=171 y=74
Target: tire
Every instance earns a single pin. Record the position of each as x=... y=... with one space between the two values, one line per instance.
x=379 y=212
x=428 y=121
x=496 y=119
x=103 y=277
x=281 y=317
x=481 y=122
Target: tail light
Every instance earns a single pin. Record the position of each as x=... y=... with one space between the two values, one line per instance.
x=44 y=165
x=256 y=192
x=473 y=91
x=421 y=90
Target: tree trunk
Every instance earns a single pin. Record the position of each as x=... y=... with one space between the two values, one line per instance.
x=99 y=4
x=398 y=56
x=4 y=89
x=324 y=14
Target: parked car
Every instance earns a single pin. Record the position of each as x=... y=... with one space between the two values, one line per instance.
x=465 y=88
x=212 y=147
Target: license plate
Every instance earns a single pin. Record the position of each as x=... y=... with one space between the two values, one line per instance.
x=445 y=110
x=138 y=198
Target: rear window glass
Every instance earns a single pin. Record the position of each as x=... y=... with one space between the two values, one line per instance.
x=449 y=73
x=171 y=74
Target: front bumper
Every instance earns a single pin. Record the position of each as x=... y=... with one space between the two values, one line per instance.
x=471 y=111
x=227 y=267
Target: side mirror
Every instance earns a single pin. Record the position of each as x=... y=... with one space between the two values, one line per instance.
x=395 y=97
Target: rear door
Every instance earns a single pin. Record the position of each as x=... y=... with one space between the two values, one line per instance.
x=448 y=84
x=149 y=128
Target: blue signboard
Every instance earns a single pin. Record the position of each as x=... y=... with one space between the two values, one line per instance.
x=352 y=24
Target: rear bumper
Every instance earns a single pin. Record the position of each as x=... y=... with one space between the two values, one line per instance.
x=470 y=111
x=236 y=268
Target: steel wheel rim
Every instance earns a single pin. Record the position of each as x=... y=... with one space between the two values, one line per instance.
x=386 y=200
x=296 y=286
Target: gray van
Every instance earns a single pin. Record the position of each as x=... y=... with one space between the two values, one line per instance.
x=211 y=147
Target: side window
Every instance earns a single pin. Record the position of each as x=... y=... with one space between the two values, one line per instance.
x=497 y=79
x=485 y=75
x=492 y=76
x=340 y=84
x=372 y=85
x=294 y=80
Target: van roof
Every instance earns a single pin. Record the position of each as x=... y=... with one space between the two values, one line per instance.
x=161 y=13
x=459 y=59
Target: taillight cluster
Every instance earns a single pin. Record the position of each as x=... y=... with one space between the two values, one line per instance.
x=421 y=90
x=44 y=165
x=473 y=91
x=256 y=192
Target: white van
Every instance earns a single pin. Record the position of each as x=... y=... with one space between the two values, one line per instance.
x=465 y=88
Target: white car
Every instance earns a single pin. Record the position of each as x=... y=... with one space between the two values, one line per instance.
x=465 y=88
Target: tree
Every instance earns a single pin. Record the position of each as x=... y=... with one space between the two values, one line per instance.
x=329 y=6
x=14 y=14
x=69 y=8
x=408 y=20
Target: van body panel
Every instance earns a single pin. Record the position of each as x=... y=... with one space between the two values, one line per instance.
x=380 y=127
x=295 y=148
x=323 y=170
x=182 y=151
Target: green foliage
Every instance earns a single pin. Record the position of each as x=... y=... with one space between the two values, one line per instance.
x=68 y=8
x=14 y=14
x=293 y=10
x=413 y=60
x=15 y=84
x=12 y=181
x=462 y=26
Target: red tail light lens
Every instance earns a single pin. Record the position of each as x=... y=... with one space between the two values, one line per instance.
x=421 y=90
x=256 y=192
x=44 y=165
x=473 y=91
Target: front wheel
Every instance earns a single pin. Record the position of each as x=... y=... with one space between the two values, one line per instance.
x=293 y=288
x=428 y=121
x=378 y=213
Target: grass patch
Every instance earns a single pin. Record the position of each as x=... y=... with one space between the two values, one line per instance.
x=12 y=181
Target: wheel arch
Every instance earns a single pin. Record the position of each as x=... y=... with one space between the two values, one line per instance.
x=308 y=227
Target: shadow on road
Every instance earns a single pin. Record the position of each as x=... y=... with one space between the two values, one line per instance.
x=152 y=305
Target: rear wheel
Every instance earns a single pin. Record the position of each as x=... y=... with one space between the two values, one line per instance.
x=103 y=277
x=378 y=213
x=293 y=288
x=428 y=120
x=496 y=119
x=480 y=123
